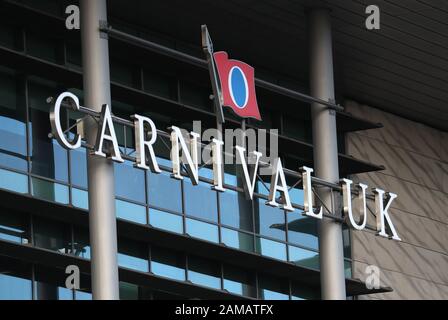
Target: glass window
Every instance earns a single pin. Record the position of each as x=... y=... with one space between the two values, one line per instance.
x=78 y=167
x=50 y=284
x=73 y=53
x=13 y=181
x=51 y=235
x=272 y=288
x=204 y=272
x=303 y=257
x=49 y=190
x=200 y=200
x=346 y=241
x=81 y=245
x=237 y=240
x=167 y=263
x=15 y=280
x=348 y=268
x=133 y=255
x=14 y=226
x=167 y=221
x=164 y=191
x=122 y=73
x=9 y=36
x=80 y=198
x=13 y=149
x=129 y=291
x=48 y=158
x=129 y=182
x=43 y=47
x=270 y=248
x=202 y=230
x=302 y=292
x=196 y=96
x=239 y=281
x=236 y=210
x=130 y=211
x=85 y=291
x=269 y=221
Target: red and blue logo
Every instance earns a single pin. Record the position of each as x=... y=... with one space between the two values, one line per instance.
x=237 y=86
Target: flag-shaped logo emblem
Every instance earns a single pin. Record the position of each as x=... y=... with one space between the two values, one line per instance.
x=237 y=86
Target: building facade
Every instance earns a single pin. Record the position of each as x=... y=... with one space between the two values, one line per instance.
x=179 y=241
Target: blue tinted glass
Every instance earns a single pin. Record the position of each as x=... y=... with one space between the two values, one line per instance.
x=239 y=281
x=238 y=240
x=166 y=221
x=78 y=167
x=204 y=272
x=13 y=181
x=129 y=182
x=12 y=122
x=167 y=263
x=236 y=210
x=348 y=268
x=14 y=227
x=164 y=191
x=83 y=295
x=200 y=201
x=52 y=235
x=202 y=230
x=305 y=258
x=80 y=198
x=269 y=221
x=132 y=255
x=270 y=248
x=14 y=288
x=272 y=288
x=82 y=243
x=130 y=211
x=65 y=294
x=302 y=230
x=49 y=191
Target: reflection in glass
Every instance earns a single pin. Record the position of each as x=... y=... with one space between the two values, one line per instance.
x=81 y=245
x=80 y=198
x=13 y=181
x=51 y=235
x=204 y=272
x=50 y=284
x=272 y=288
x=269 y=221
x=15 y=280
x=270 y=248
x=302 y=292
x=202 y=230
x=164 y=220
x=239 y=281
x=12 y=121
x=237 y=240
x=14 y=226
x=303 y=257
x=164 y=192
x=129 y=182
x=236 y=210
x=78 y=167
x=132 y=254
x=167 y=263
x=49 y=190
x=200 y=200
x=130 y=211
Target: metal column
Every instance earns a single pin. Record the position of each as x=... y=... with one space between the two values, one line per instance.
x=325 y=152
x=102 y=220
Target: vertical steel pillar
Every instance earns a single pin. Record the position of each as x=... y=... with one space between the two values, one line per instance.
x=325 y=152
x=102 y=220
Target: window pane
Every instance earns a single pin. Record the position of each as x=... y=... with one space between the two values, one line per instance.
x=166 y=221
x=195 y=96
x=129 y=182
x=15 y=280
x=43 y=47
x=167 y=263
x=133 y=255
x=238 y=240
x=200 y=200
x=14 y=226
x=80 y=198
x=12 y=121
x=50 y=284
x=272 y=288
x=51 y=235
x=270 y=248
x=348 y=268
x=128 y=291
x=159 y=84
x=82 y=243
x=269 y=221
x=301 y=292
x=204 y=272
x=236 y=210
x=239 y=281
x=305 y=258
x=130 y=211
x=49 y=190
x=164 y=191
x=13 y=181
x=48 y=158
x=202 y=230
x=78 y=167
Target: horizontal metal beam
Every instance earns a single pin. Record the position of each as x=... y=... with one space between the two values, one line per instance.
x=202 y=63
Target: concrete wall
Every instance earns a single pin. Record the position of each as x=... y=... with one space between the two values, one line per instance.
x=416 y=161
